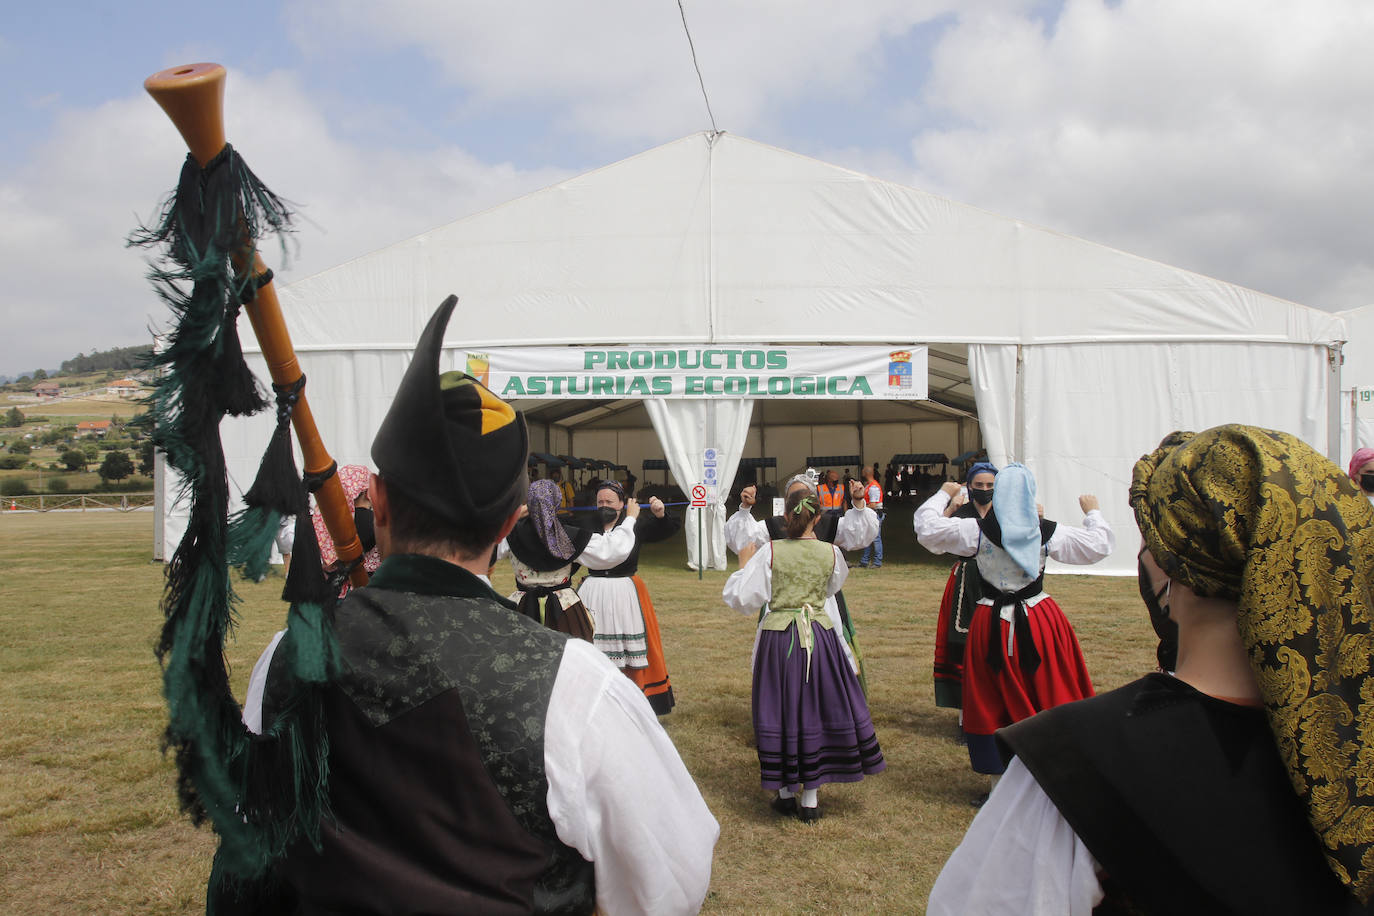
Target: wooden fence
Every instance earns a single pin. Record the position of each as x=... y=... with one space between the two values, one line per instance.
x=77 y=502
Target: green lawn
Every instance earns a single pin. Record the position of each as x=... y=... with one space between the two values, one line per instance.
x=88 y=815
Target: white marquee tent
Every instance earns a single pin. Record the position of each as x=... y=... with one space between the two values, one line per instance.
x=1357 y=383
x=1074 y=358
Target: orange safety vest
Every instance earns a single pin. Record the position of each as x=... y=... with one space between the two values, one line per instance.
x=831 y=500
x=873 y=492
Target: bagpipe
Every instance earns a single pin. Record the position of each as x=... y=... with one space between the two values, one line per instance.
x=261 y=793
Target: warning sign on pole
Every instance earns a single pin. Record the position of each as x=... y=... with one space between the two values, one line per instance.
x=698 y=496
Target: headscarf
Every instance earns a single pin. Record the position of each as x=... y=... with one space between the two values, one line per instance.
x=544 y=499
x=1013 y=503
x=1358 y=460
x=979 y=467
x=353 y=478
x=1260 y=518
x=807 y=477
x=614 y=486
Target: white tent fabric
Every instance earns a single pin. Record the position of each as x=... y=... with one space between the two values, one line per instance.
x=1076 y=438
x=1357 y=412
x=685 y=428
x=714 y=239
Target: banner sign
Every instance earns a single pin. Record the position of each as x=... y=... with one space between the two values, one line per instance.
x=841 y=372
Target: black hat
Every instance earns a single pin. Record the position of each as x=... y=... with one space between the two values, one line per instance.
x=448 y=443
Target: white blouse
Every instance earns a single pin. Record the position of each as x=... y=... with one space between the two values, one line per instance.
x=960 y=536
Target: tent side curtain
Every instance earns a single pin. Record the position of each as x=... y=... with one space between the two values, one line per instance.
x=1091 y=410
x=684 y=429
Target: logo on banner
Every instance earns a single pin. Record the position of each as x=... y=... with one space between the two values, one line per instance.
x=899 y=369
x=479 y=367
x=698 y=496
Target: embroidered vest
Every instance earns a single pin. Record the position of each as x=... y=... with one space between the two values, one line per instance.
x=437 y=780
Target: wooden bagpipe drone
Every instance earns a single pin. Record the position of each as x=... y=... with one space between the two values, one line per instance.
x=261 y=793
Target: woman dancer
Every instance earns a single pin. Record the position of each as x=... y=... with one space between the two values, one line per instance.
x=811 y=722
x=964 y=588
x=545 y=553
x=1022 y=655
x=626 y=625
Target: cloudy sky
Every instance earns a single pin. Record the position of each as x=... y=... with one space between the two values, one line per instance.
x=1231 y=137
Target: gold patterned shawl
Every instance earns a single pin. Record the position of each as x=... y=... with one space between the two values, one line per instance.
x=1260 y=518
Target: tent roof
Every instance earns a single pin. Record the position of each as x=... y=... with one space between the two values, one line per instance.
x=714 y=238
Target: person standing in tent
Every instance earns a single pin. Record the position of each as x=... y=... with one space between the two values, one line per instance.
x=831 y=493
x=353 y=478
x=1237 y=781
x=852 y=530
x=811 y=721
x=873 y=495
x=626 y=623
x=567 y=496
x=545 y=552
x=1021 y=655
x=1362 y=470
x=964 y=587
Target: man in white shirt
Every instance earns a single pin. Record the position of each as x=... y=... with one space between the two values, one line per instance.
x=477 y=761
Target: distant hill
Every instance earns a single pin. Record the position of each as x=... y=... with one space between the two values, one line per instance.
x=120 y=359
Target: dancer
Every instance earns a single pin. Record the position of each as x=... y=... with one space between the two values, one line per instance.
x=545 y=553
x=848 y=530
x=1362 y=470
x=626 y=624
x=964 y=587
x=1236 y=784
x=353 y=478
x=1021 y=655
x=811 y=722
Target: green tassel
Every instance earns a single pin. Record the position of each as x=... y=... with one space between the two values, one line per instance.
x=252 y=532
x=313 y=652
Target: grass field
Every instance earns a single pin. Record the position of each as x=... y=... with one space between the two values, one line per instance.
x=88 y=815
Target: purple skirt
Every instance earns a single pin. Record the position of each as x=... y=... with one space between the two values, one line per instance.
x=810 y=731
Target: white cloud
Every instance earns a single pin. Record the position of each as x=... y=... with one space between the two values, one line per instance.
x=1226 y=137
x=72 y=285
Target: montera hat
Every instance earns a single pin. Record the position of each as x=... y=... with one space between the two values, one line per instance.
x=448 y=443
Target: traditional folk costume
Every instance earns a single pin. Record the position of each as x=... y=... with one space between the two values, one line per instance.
x=1021 y=655
x=851 y=530
x=1157 y=798
x=626 y=623
x=957 y=604
x=353 y=478
x=811 y=721
x=459 y=780
x=545 y=554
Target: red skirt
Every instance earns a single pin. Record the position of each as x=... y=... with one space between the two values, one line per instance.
x=993 y=699
x=957 y=607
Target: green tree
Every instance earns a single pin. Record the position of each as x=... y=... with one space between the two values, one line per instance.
x=145 y=458
x=91 y=449
x=13 y=486
x=74 y=459
x=116 y=466
x=20 y=447
x=57 y=485
x=40 y=375
x=14 y=418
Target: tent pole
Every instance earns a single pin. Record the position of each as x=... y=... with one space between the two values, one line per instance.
x=1335 y=356
x=1019 y=408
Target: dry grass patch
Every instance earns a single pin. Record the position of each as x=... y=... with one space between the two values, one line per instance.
x=88 y=816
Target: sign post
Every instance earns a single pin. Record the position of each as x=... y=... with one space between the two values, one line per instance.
x=699 y=503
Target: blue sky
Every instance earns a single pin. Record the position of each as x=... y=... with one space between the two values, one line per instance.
x=1230 y=138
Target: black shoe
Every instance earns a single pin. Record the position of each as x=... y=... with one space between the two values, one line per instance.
x=980 y=800
x=784 y=806
x=808 y=815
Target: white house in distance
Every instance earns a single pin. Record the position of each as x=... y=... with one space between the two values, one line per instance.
x=125 y=388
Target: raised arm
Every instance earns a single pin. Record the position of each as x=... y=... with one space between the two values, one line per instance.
x=741 y=529
x=750 y=586
x=940 y=534
x=609 y=550
x=1081 y=546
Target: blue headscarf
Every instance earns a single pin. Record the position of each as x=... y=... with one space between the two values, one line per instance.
x=1013 y=502
x=979 y=467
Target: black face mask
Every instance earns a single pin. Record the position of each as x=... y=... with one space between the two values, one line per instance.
x=367 y=532
x=980 y=497
x=1167 y=630
x=607 y=515
x=1367 y=482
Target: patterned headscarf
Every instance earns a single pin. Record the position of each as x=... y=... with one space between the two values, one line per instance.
x=612 y=485
x=1260 y=518
x=543 y=500
x=979 y=467
x=1358 y=460
x=353 y=477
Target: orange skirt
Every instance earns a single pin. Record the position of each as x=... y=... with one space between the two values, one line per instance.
x=652 y=679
